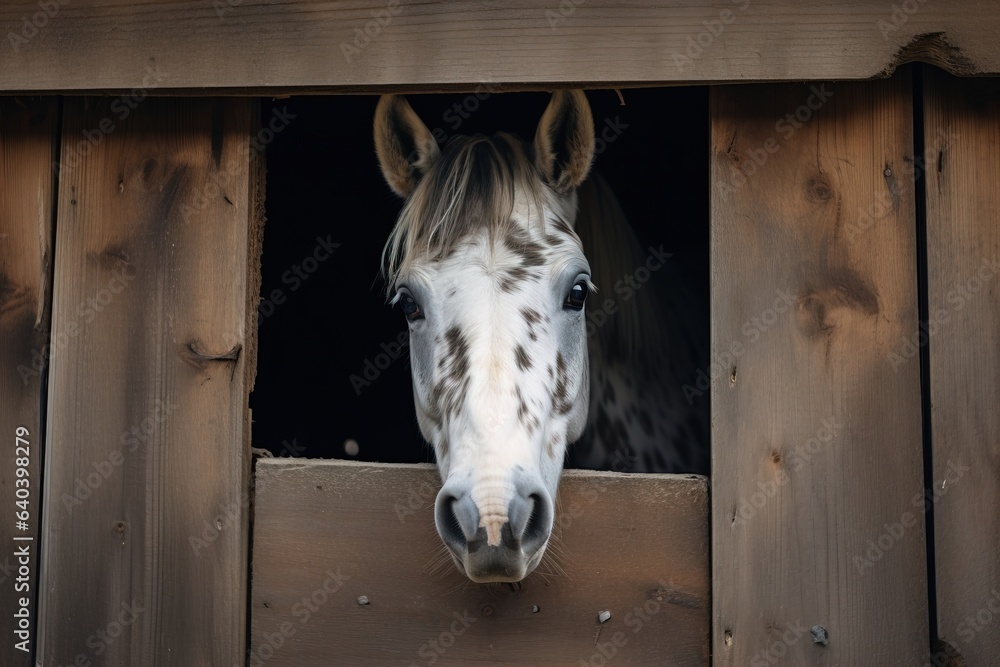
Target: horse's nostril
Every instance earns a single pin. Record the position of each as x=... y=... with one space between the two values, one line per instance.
x=530 y=520
x=456 y=518
x=451 y=525
x=537 y=528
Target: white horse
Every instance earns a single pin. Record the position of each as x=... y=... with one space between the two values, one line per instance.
x=487 y=263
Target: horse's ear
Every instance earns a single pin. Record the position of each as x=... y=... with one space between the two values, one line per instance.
x=564 y=140
x=406 y=148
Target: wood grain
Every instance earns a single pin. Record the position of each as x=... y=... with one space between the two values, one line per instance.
x=327 y=532
x=816 y=442
x=962 y=157
x=147 y=466
x=287 y=45
x=27 y=210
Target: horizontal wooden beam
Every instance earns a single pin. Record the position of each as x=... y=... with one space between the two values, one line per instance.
x=327 y=533
x=256 y=46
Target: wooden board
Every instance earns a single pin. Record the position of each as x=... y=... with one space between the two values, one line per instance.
x=27 y=200
x=962 y=138
x=147 y=461
x=816 y=441
x=290 y=45
x=327 y=532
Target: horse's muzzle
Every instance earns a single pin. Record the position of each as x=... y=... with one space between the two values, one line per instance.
x=504 y=552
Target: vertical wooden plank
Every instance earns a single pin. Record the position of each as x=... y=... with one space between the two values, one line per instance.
x=147 y=466
x=816 y=456
x=962 y=138
x=27 y=148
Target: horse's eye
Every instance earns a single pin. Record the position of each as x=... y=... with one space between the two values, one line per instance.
x=410 y=307
x=577 y=296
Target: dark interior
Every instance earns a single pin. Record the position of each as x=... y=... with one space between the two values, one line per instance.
x=327 y=320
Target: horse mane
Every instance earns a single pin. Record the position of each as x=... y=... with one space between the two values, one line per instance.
x=470 y=187
x=637 y=332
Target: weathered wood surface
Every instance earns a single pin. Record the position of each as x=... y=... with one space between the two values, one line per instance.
x=817 y=456
x=962 y=138
x=27 y=200
x=258 y=45
x=327 y=532
x=147 y=461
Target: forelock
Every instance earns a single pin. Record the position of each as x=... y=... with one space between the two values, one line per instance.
x=470 y=188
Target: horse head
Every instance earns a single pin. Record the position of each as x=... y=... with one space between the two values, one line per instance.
x=492 y=279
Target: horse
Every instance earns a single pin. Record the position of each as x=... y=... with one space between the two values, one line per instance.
x=487 y=262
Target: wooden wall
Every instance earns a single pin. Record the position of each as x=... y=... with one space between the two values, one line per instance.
x=27 y=199
x=962 y=158
x=818 y=515
x=327 y=532
x=147 y=453
x=816 y=441
x=264 y=46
